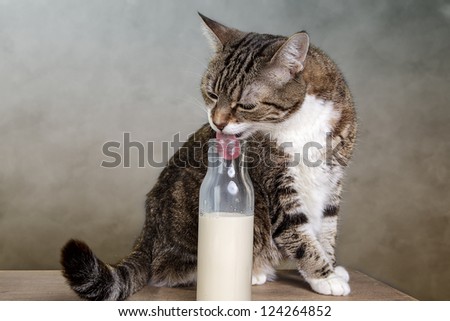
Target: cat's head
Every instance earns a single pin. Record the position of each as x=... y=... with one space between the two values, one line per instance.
x=254 y=81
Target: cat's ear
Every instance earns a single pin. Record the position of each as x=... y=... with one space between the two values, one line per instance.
x=217 y=33
x=292 y=54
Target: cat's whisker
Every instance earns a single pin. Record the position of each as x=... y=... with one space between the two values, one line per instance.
x=200 y=106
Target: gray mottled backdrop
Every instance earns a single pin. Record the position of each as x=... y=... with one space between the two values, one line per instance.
x=76 y=74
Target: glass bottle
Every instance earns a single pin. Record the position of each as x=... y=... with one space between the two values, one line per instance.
x=226 y=212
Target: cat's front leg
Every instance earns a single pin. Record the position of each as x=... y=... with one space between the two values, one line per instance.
x=327 y=238
x=296 y=239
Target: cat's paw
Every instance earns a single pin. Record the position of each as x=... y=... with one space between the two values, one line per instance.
x=342 y=272
x=259 y=279
x=331 y=285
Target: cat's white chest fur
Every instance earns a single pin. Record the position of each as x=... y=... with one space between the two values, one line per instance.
x=304 y=136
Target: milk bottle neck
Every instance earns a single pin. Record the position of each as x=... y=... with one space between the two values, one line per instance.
x=227 y=186
x=218 y=165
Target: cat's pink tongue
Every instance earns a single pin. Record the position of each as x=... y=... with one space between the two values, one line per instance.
x=228 y=146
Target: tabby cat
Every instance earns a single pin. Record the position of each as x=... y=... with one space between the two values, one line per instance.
x=286 y=98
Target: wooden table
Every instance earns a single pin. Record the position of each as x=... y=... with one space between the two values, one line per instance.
x=51 y=286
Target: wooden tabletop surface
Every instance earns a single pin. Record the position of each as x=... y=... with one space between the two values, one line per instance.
x=289 y=286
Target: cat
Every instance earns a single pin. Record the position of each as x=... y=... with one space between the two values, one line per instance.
x=280 y=94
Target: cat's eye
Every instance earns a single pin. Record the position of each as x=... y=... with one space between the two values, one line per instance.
x=246 y=106
x=212 y=95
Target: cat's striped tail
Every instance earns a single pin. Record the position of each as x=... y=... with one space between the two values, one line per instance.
x=92 y=279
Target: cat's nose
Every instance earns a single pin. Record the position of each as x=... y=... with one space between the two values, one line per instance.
x=220 y=118
x=221 y=125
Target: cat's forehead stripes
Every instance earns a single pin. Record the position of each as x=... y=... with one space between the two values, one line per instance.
x=234 y=54
x=239 y=60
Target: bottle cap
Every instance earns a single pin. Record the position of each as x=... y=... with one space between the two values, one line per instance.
x=228 y=146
